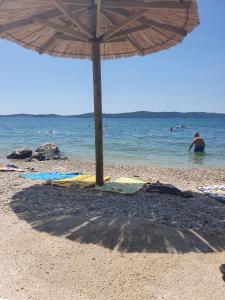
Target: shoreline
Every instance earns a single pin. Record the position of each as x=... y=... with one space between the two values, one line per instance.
x=128 y=164
x=84 y=166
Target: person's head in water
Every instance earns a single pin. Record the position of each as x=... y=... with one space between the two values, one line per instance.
x=197 y=135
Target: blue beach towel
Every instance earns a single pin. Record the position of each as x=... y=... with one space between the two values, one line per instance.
x=49 y=176
x=215 y=191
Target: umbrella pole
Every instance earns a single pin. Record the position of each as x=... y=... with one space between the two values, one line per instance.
x=96 y=59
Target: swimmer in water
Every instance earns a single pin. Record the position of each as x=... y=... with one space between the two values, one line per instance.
x=51 y=132
x=198 y=142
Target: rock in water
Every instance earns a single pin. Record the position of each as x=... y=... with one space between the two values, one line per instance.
x=47 y=152
x=38 y=156
x=20 y=153
x=48 y=149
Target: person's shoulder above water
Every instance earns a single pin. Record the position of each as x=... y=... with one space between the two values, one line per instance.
x=198 y=142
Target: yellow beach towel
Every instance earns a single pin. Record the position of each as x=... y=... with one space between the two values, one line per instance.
x=122 y=185
x=82 y=180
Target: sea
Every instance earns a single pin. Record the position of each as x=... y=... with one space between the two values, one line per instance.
x=142 y=141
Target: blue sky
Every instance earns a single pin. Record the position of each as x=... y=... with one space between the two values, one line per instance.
x=188 y=77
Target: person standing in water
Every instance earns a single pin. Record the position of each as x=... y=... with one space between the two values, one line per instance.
x=198 y=142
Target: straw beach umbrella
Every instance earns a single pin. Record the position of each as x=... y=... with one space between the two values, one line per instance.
x=97 y=29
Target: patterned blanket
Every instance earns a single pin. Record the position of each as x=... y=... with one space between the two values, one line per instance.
x=215 y=191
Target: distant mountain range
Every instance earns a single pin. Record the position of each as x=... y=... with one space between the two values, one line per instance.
x=137 y=114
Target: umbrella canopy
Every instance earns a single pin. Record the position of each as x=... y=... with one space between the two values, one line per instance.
x=97 y=29
x=124 y=27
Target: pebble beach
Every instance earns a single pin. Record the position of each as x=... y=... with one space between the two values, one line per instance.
x=199 y=212
x=86 y=244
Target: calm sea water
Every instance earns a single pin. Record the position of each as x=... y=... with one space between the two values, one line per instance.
x=127 y=141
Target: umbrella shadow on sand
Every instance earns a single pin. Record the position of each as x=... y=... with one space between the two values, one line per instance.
x=138 y=223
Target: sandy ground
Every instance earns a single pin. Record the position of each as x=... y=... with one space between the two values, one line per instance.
x=82 y=244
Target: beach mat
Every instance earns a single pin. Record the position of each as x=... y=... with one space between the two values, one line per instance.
x=49 y=176
x=215 y=191
x=82 y=180
x=122 y=185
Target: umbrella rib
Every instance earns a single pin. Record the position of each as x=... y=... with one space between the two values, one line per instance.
x=160 y=25
x=71 y=17
x=130 y=19
x=60 y=28
x=147 y=5
x=119 y=40
x=49 y=43
x=54 y=38
x=28 y=21
x=108 y=17
x=126 y=39
x=81 y=3
x=135 y=45
x=135 y=4
x=70 y=38
x=150 y=23
x=124 y=33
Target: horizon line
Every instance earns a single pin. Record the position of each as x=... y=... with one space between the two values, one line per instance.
x=107 y=113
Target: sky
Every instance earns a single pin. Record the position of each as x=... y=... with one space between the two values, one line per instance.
x=188 y=77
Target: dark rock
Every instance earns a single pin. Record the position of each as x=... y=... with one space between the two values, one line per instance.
x=222 y=269
x=21 y=153
x=48 y=149
x=63 y=158
x=56 y=157
x=47 y=152
x=38 y=156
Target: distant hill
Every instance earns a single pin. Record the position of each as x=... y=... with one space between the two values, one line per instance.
x=137 y=114
x=149 y=114
x=34 y=116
